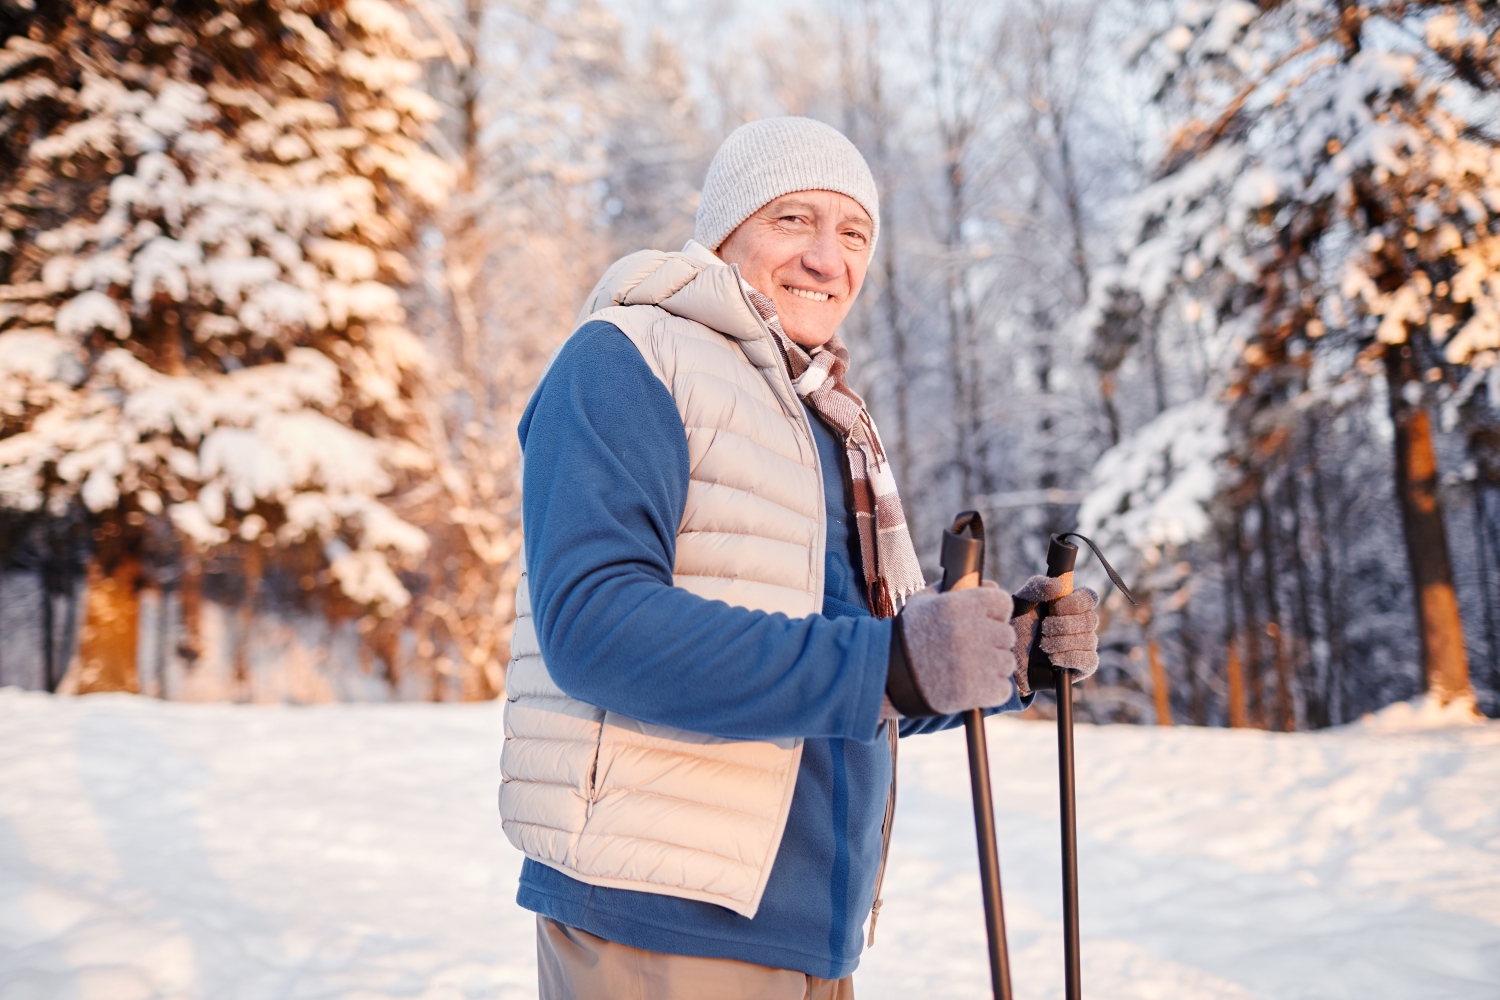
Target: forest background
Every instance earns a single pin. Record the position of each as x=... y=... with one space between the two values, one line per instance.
x=1215 y=282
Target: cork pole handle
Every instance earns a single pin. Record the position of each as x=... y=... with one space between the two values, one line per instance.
x=1061 y=558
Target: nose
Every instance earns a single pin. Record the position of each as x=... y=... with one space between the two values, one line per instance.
x=823 y=259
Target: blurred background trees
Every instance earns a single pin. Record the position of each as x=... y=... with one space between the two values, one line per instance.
x=1211 y=280
x=1320 y=224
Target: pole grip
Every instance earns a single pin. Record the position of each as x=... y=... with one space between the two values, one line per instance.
x=962 y=558
x=1062 y=556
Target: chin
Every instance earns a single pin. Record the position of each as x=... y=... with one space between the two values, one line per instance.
x=810 y=340
x=805 y=332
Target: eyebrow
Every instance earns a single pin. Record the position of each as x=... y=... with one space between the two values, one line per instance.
x=863 y=221
x=780 y=205
x=784 y=204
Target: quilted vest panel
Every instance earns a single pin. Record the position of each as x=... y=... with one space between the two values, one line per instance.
x=616 y=802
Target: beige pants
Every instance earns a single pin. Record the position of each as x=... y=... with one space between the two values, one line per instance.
x=575 y=965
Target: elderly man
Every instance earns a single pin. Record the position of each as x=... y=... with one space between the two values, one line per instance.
x=709 y=675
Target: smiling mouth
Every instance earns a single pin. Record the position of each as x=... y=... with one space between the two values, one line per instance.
x=803 y=293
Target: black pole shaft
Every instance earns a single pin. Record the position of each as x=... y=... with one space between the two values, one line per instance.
x=962 y=560
x=989 y=852
x=1067 y=795
x=1061 y=557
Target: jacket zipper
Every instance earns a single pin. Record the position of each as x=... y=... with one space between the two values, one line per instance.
x=804 y=422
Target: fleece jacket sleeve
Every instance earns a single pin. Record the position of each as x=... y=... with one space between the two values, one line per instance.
x=605 y=484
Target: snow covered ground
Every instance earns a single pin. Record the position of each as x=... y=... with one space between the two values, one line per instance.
x=224 y=852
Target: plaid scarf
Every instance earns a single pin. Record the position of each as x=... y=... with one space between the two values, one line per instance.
x=892 y=573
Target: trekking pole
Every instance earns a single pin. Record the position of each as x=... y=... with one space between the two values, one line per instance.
x=962 y=560
x=1061 y=557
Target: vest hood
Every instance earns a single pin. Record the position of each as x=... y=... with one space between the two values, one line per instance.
x=693 y=284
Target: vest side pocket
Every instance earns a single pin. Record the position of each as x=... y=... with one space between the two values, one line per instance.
x=590 y=796
x=593 y=785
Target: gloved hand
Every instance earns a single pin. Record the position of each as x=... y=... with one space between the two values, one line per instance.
x=1070 y=632
x=952 y=652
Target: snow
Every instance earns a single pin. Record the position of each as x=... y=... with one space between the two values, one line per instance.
x=1226 y=24
x=1152 y=491
x=190 y=518
x=347 y=261
x=378 y=17
x=31 y=355
x=154 y=849
x=366 y=577
x=83 y=313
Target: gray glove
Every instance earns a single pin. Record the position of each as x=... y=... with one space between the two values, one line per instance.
x=1070 y=632
x=952 y=652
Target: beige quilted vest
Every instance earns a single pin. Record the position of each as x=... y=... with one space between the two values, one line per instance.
x=615 y=802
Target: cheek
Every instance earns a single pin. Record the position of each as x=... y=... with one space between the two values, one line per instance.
x=762 y=273
x=857 y=268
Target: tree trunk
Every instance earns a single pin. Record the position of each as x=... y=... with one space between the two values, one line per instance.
x=1158 y=372
x=67 y=642
x=960 y=371
x=50 y=674
x=107 y=647
x=1306 y=666
x=1333 y=613
x=955 y=130
x=1255 y=669
x=1191 y=654
x=890 y=291
x=1234 y=670
x=1161 y=691
x=1445 y=662
x=190 y=640
x=1107 y=400
x=1283 y=670
x=1161 y=688
x=1237 y=717
x=252 y=565
x=159 y=656
x=1486 y=585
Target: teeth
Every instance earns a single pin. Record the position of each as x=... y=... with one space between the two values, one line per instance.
x=805 y=294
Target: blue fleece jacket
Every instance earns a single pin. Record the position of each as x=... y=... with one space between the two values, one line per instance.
x=605 y=487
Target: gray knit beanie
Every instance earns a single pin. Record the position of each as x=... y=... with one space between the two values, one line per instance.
x=763 y=160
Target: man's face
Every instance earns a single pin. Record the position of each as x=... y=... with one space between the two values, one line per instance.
x=809 y=252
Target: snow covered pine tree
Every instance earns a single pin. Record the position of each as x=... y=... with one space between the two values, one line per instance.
x=1327 y=208
x=204 y=212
